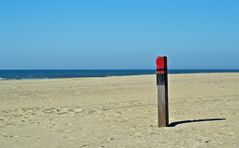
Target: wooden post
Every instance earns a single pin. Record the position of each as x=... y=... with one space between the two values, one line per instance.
x=162 y=84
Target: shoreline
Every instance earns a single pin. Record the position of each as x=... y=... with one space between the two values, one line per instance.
x=88 y=77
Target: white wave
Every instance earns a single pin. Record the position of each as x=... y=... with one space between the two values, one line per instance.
x=2 y=79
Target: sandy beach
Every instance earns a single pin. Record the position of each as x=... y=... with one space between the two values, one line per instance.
x=119 y=112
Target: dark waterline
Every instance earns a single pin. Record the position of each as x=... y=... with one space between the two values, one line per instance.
x=49 y=74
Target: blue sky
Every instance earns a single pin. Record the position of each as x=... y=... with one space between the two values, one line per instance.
x=118 y=34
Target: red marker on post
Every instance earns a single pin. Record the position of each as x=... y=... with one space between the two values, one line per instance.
x=162 y=84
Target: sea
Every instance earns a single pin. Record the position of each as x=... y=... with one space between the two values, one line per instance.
x=51 y=74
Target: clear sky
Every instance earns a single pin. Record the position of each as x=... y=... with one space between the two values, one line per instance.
x=118 y=34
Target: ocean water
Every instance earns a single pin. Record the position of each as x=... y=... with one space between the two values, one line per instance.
x=49 y=74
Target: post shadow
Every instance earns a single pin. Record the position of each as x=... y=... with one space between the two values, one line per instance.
x=173 y=124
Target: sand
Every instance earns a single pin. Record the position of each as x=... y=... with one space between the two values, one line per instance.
x=119 y=112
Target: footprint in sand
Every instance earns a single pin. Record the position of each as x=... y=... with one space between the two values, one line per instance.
x=118 y=113
x=50 y=110
x=70 y=138
x=111 y=139
x=105 y=108
x=2 y=118
x=62 y=112
x=78 y=110
x=91 y=111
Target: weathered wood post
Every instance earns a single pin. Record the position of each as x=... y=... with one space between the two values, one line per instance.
x=162 y=84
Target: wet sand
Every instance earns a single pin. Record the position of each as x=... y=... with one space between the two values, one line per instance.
x=118 y=112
